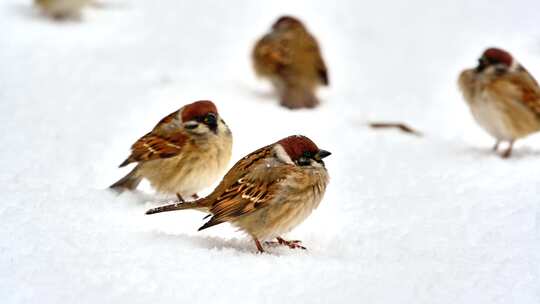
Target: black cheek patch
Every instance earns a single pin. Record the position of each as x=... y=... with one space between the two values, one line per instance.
x=191 y=126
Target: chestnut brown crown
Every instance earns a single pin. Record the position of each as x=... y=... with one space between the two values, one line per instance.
x=494 y=56
x=302 y=150
x=200 y=112
x=286 y=23
x=199 y=108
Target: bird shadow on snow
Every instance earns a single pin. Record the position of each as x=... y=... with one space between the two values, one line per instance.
x=517 y=152
x=242 y=246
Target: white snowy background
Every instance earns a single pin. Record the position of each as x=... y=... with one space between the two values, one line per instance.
x=436 y=219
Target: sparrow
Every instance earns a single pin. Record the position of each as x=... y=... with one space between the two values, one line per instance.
x=290 y=58
x=61 y=9
x=503 y=97
x=187 y=151
x=268 y=192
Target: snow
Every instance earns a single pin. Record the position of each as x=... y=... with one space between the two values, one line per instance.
x=435 y=219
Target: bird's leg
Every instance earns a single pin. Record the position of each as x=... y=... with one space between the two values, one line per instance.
x=180 y=198
x=258 y=244
x=496 y=146
x=508 y=150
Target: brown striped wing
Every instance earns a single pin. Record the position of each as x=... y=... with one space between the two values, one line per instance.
x=531 y=93
x=166 y=140
x=526 y=90
x=255 y=186
x=152 y=146
x=271 y=54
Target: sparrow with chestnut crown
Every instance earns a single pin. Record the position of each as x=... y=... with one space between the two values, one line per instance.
x=503 y=97
x=187 y=151
x=268 y=192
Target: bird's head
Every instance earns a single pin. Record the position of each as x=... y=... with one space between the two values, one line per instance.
x=495 y=59
x=200 y=117
x=287 y=23
x=300 y=151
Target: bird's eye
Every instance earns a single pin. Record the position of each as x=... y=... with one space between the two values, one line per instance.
x=210 y=119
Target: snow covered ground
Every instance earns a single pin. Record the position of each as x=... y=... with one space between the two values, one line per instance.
x=437 y=219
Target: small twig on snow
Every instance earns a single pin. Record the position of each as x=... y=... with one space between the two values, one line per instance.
x=398 y=125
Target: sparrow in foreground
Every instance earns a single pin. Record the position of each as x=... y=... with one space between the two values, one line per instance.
x=187 y=151
x=61 y=9
x=290 y=57
x=503 y=97
x=268 y=192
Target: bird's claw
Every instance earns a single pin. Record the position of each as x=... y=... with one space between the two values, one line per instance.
x=294 y=244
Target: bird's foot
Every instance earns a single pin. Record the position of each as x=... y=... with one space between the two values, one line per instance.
x=295 y=244
x=508 y=151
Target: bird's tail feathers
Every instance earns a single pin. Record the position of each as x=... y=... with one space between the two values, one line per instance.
x=128 y=182
x=299 y=97
x=176 y=206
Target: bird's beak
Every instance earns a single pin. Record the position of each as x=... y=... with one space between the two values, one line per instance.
x=322 y=154
x=482 y=64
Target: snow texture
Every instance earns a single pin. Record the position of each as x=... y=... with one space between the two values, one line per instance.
x=432 y=219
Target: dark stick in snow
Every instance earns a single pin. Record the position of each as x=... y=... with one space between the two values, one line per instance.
x=401 y=126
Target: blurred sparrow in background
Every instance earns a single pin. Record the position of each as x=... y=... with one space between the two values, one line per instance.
x=290 y=57
x=61 y=9
x=268 y=192
x=503 y=97
x=186 y=152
